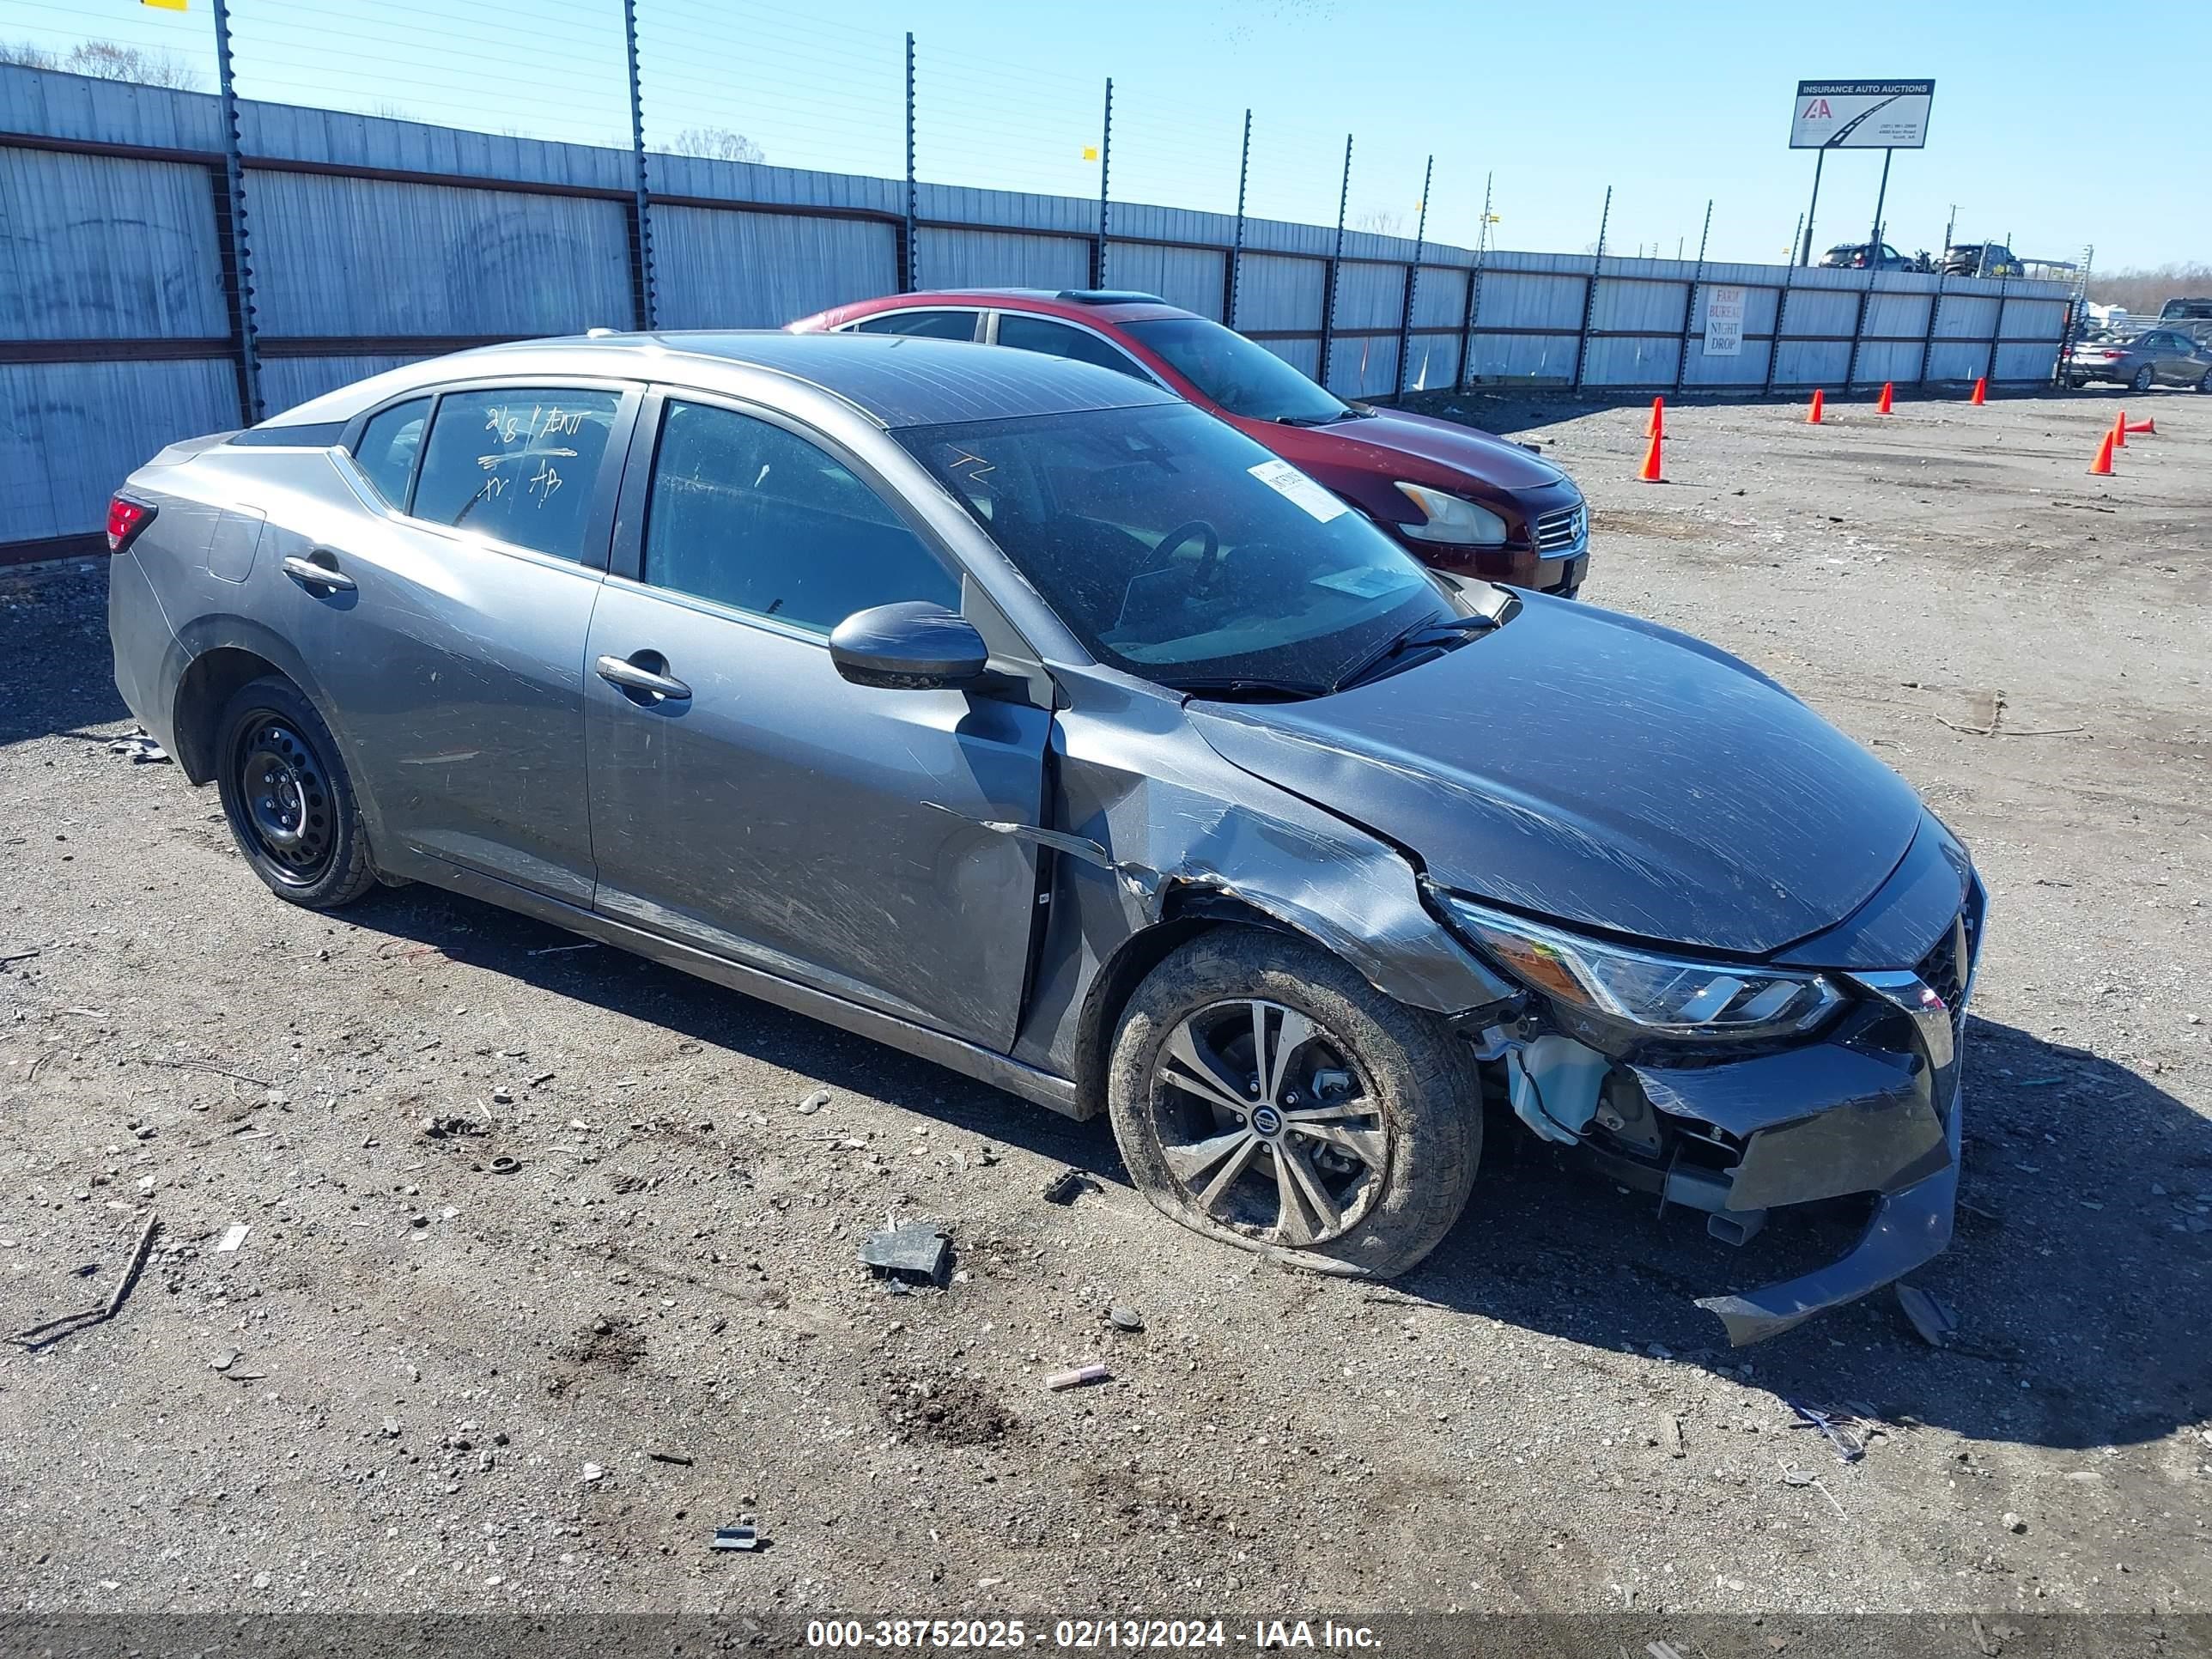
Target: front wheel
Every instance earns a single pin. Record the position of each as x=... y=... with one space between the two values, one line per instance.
x=2205 y=384
x=290 y=804
x=1264 y=1094
x=2142 y=379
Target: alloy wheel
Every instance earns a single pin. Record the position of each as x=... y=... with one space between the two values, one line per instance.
x=287 y=797
x=1268 y=1123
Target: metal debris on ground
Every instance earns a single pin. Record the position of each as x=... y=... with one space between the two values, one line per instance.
x=501 y=1165
x=562 y=950
x=232 y=1237
x=1936 y=1320
x=1068 y=1186
x=737 y=1538
x=1849 y=1448
x=52 y=1330
x=142 y=749
x=1079 y=1377
x=682 y=1458
x=912 y=1250
x=1124 y=1318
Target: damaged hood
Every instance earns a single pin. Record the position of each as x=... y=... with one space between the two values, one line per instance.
x=1601 y=770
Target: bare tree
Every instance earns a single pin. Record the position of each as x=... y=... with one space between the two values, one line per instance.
x=716 y=144
x=2142 y=291
x=106 y=60
x=1379 y=221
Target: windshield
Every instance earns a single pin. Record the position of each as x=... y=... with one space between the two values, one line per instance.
x=1243 y=378
x=1176 y=549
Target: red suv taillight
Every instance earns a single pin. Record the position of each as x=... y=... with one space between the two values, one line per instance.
x=125 y=519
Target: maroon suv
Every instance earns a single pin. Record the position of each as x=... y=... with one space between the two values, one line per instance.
x=1460 y=500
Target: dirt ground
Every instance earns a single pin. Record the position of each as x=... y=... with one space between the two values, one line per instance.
x=426 y=1381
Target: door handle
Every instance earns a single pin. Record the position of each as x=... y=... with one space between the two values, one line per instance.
x=313 y=574
x=630 y=675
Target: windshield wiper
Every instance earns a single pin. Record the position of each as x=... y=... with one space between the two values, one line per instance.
x=1437 y=631
x=1231 y=687
x=1323 y=420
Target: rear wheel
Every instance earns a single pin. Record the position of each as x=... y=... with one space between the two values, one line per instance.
x=2205 y=384
x=290 y=804
x=2142 y=379
x=1263 y=1094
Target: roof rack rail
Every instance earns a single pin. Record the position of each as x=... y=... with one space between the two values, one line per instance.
x=1108 y=296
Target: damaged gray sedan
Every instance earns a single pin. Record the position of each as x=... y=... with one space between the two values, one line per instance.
x=1010 y=712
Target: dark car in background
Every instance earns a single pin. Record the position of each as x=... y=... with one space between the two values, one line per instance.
x=2157 y=357
x=1457 y=499
x=1980 y=259
x=1858 y=256
x=1022 y=716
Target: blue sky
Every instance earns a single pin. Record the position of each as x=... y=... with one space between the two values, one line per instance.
x=2040 y=132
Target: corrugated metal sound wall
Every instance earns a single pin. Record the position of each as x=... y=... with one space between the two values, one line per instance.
x=374 y=242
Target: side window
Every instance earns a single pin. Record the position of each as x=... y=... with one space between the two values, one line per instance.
x=388 y=447
x=933 y=324
x=516 y=463
x=754 y=517
x=1058 y=340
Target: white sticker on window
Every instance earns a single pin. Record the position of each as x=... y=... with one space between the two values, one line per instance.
x=1368 y=581
x=1287 y=480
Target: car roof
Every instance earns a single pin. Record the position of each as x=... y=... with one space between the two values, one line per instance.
x=1076 y=305
x=894 y=381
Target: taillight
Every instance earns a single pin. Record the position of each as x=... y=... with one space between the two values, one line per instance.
x=125 y=519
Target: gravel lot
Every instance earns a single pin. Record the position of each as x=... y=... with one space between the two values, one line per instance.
x=420 y=1383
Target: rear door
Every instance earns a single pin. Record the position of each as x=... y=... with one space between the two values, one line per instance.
x=760 y=807
x=447 y=619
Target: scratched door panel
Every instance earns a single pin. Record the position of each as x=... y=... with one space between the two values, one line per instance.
x=457 y=658
x=825 y=832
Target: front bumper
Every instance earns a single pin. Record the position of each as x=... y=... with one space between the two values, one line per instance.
x=1874 y=1109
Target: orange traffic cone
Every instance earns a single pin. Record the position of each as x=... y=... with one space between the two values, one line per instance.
x=1650 y=472
x=2120 y=430
x=1656 y=425
x=1981 y=393
x=1888 y=392
x=1812 y=415
x=2149 y=426
x=2102 y=467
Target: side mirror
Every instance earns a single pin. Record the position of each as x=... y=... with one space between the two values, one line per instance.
x=913 y=645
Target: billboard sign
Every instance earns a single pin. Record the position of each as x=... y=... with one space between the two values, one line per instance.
x=1860 y=115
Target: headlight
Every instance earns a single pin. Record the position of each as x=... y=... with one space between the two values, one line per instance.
x=1665 y=996
x=1452 y=519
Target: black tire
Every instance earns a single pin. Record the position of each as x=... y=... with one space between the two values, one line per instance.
x=290 y=804
x=2142 y=379
x=1395 y=1157
x=2205 y=384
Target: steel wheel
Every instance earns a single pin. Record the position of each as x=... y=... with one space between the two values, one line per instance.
x=1266 y=1126
x=283 y=785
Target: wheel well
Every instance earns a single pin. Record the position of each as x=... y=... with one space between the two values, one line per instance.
x=1187 y=912
x=207 y=685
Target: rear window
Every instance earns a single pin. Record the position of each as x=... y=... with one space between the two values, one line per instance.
x=519 y=464
x=388 y=447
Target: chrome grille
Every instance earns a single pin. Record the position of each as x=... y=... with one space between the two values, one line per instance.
x=1556 y=532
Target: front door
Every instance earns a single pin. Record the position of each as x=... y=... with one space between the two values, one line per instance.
x=450 y=634
x=746 y=798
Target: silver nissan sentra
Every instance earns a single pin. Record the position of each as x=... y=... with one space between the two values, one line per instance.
x=1009 y=711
